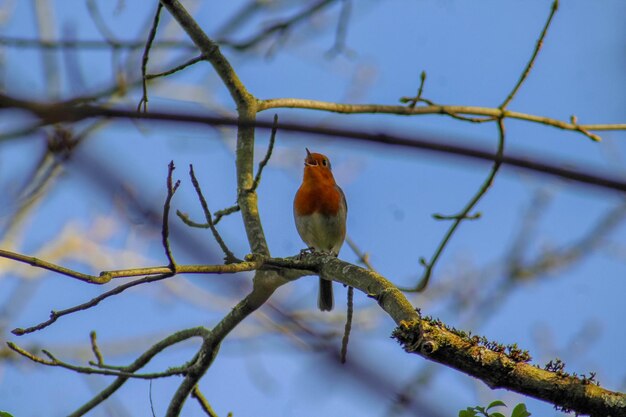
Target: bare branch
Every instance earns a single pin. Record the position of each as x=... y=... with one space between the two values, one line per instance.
x=348 y=327
x=412 y=102
x=268 y=155
x=279 y=28
x=95 y=349
x=225 y=212
x=53 y=361
x=529 y=66
x=176 y=69
x=210 y=50
x=491 y=114
x=229 y=256
x=219 y=269
x=216 y=218
x=143 y=103
x=342 y=30
x=58 y=112
x=36 y=262
x=98 y=20
x=54 y=315
x=165 y=229
x=22 y=43
x=364 y=257
x=140 y=363
x=246 y=109
x=204 y=404
x=463 y=215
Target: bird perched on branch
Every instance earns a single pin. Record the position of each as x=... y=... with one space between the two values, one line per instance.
x=320 y=210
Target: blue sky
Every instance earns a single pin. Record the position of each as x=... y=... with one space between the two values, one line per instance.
x=473 y=53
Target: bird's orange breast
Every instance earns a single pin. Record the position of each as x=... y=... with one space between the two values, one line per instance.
x=313 y=198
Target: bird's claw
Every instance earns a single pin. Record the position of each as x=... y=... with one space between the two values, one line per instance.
x=305 y=252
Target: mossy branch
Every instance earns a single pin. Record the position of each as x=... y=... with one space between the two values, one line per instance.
x=507 y=367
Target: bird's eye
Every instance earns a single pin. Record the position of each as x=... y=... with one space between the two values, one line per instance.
x=325 y=162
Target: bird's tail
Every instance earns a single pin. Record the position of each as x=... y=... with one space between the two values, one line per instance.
x=325 y=298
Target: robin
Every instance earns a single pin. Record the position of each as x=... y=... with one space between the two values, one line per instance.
x=320 y=210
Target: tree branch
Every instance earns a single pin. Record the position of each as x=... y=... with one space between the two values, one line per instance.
x=529 y=66
x=463 y=215
x=22 y=43
x=229 y=257
x=218 y=269
x=140 y=363
x=447 y=110
x=492 y=364
x=53 y=361
x=59 y=112
x=498 y=366
x=277 y=28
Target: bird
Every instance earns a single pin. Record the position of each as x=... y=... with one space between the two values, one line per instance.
x=320 y=212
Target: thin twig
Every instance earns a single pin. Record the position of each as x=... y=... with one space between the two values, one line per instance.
x=225 y=212
x=413 y=101
x=217 y=216
x=150 y=396
x=364 y=257
x=39 y=263
x=204 y=404
x=277 y=28
x=22 y=43
x=268 y=155
x=95 y=349
x=241 y=16
x=164 y=272
x=342 y=29
x=348 y=327
x=165 y=230
x=100 y=24
x=531 y=62
x=229 y=256
x=139 y=363
x=474 y=216
x=46 y=26
x=53 y=361
x=185 y=219
x=463 y=215
x=176 y=69
x=143 y=103
x=54 y=315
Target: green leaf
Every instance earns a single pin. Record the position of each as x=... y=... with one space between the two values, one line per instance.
x=5 y=414
x=496 y=414
x=520 y=411
x=496 y=403
x=469 y=412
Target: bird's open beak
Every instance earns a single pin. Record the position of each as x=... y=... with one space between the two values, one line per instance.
x=309 y=158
